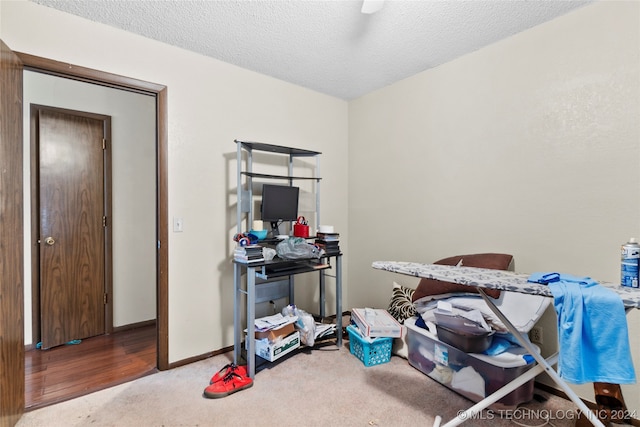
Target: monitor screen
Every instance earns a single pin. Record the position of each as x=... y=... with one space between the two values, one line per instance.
x=279 y=203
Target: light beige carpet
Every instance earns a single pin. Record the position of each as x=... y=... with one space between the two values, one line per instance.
x=323 y=387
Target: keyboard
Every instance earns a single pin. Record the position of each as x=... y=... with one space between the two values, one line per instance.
x=282 y=267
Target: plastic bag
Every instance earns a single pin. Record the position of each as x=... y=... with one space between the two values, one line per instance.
x=268 y=253
x=305 y=324
x=298 y=248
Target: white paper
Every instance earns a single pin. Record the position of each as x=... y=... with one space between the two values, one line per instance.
x=445 y=307
x=274 y=322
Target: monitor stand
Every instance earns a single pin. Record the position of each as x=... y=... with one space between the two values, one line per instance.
x=275 y=231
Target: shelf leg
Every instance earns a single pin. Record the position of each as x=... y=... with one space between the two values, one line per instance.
x=251 y=321
x=237 y=330
x=339 y=300
x=292 y=297
x=323 y=296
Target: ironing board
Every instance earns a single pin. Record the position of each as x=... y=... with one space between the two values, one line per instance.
x=483 y=278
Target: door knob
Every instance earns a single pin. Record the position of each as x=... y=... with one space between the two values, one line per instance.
x=49 y=241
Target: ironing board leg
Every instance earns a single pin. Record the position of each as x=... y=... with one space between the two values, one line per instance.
x=524 y=341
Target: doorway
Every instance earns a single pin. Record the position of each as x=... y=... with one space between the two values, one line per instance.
x=12 y=349
x=73 y=177
x=131 y=225
x=158 y=154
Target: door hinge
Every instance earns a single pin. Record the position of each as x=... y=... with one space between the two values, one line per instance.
x=104 y=144
x=105 y=298
x=104 y=221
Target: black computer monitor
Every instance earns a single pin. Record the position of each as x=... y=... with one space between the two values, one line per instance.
x=279 y=204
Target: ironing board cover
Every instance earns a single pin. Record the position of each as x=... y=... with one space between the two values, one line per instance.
x=492 y=279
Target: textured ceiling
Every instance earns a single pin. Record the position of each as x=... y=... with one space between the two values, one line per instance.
x=327 y=46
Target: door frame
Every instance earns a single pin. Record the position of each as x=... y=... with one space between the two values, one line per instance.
x=12 y=380
x=36 y=317
x=74 y=72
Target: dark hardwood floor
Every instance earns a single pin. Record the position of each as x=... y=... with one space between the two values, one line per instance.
x=73 y=370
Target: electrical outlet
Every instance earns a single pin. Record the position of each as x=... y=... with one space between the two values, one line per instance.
x=535 y=334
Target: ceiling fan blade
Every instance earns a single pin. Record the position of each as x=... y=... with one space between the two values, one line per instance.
x=371 y=6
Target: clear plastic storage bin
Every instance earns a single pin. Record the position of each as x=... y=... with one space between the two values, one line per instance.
x=474 y=376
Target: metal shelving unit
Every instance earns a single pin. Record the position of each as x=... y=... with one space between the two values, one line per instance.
x=260 y=283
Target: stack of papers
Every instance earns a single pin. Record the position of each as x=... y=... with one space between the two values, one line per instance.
x=276 y=321
x=467 y=321
x=248 y=254
x=324 y=329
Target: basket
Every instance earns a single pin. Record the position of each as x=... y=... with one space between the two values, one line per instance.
x=370 y=353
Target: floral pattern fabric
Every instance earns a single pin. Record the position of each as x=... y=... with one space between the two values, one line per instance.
x=400 y=306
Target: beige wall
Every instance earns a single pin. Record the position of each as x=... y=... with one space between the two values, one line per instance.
x=530 y=146
x=210 y=103
x=133 y=117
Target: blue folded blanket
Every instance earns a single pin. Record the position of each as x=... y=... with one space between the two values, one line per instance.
x=592 y=330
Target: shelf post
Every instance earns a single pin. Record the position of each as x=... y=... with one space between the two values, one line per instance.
x=239 y=188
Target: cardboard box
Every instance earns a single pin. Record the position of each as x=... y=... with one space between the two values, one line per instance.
x=272 y=351
x=375 y=322
x=274 y=334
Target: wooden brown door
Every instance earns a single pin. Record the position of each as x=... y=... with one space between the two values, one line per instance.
x=72 y=225
x=11 y=243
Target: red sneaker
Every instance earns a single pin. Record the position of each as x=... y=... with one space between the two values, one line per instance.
x=228 y=385
x=226 y=370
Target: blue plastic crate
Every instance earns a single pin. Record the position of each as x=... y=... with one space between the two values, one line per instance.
x=370 y=353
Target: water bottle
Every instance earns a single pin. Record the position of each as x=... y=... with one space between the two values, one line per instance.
x=630 y=263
